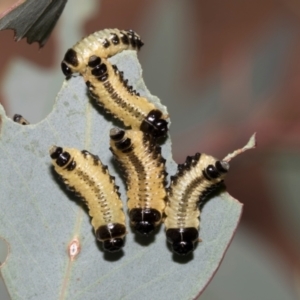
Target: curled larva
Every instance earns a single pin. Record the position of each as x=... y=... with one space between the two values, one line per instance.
x=108 y=86
x=195 y=179
x=104 y=43
x=20 y=119
x=84 y=174
x=144 y=170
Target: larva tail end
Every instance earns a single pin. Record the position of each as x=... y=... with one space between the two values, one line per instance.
x=144 y=227
x=183 y=240
x=155 y=124
x=144 y=221
x=113 y=245
x=112 y=236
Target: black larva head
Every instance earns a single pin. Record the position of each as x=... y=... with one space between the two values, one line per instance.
x=217 y=170
x=154 y=124
x=66 y=69
x=19 y=119
x=116 y=134
x=144 y=221
x=183 y=240
x=62 y=158
x=70 y=63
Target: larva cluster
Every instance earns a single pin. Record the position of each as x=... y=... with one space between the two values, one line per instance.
x=144 y=170
x=138 y=154
x=106 y=83
x=83 y=173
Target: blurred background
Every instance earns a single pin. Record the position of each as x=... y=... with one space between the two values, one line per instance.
x=224 y=69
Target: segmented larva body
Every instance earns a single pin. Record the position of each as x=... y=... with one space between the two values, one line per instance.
x=20 y=119
x=104 y=43
x=107 y=85
x=144 y=170
x=195 y=179
x=84 y=174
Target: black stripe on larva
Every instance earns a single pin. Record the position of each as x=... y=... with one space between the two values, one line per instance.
x=129 y=88
x=112 y=236
x=206 y=194
x=118 y=100
x=183 y=240
x=191 y=187
x=71 y=58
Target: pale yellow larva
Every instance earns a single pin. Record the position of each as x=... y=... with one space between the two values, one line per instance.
x=20 y=119
x=104 y=43
x=195 y=179
x=84 y=173
x=107 y=85
x=144 y=170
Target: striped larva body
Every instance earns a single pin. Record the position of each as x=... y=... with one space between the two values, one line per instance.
x=195 y=179
x=20 y=119
x=144 y=170
x=104 y=43
x=84 y=174
x=107 y=85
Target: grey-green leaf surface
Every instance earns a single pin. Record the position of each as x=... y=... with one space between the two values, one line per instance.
x=39 y=218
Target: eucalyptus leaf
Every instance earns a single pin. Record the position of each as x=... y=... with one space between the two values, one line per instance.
x=34 y=19
x=39 y=218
